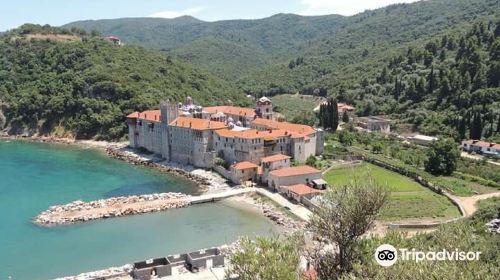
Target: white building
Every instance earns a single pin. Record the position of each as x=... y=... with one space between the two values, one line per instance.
x=481 y=147
x=423 y=140
x=292 y=176
x=374 y=123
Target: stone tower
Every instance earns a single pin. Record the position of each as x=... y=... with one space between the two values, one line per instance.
x=169 y=112
x=265 y=108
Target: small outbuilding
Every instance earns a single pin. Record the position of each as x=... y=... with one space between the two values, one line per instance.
x=292 y=176
x=423 y=140
x=299 y=191
x=243 y=171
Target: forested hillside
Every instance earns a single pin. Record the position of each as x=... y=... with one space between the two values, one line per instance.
x=230 y=48
x=72 y=84
x=287 y=53
x=449 y=85
x=363 y=44
x=431 y=64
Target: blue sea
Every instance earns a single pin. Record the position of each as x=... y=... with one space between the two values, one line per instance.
x=34 y=176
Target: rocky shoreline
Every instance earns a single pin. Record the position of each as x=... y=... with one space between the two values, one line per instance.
x=135 y=159
x=117 y=151
x=80 y=211
x=270 y=211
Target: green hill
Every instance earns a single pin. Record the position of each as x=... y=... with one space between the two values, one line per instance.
x=72 y=84
x=231 y=47
x=448 y=86
x=262 y=54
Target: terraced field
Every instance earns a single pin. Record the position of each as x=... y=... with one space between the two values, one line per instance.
x=408 y=200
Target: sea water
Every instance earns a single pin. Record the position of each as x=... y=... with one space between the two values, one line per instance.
x=35 y=176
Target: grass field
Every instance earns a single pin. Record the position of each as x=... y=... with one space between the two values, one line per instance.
x=407 y=200
x=292 y=105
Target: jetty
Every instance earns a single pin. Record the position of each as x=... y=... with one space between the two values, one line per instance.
x=80 y=211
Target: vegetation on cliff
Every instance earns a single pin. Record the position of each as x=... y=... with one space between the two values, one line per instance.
x=84 y=87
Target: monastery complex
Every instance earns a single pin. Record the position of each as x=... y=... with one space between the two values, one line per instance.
x=252 y=142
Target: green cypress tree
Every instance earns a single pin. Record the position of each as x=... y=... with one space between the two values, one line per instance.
x=335 y=115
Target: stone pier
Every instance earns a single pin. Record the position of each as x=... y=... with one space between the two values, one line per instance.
x=80 y=211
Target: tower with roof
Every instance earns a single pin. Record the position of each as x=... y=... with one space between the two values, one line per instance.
x=264 y=108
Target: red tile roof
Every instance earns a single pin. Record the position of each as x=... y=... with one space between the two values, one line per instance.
x=151 y=115
x=197 y=124
x=293 y=128
x=301 y=189
x=272 y=134
x=134 y=115
x=277 y=157
x=295 y=170
x=231 y=110
x=244 y=165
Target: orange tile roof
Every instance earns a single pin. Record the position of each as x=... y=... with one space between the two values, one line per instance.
x=134 y=115
x=197 y=124
x=301 y=189
x=244 y=165
x=292 y=127
x=277 y=157
x=231 y=110
x=253 y=134
x=150 y=115
x=483 y=144
x=295 y=170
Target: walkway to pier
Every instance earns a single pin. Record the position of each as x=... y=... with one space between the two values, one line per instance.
x=298 y=210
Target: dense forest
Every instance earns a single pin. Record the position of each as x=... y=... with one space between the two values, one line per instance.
x=449 y=85
x=71 y=83
x=288 y=53
x=433 y=65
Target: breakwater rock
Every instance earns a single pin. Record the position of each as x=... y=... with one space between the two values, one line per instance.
x=137 y=160
x=80 y=211
x=281 y=219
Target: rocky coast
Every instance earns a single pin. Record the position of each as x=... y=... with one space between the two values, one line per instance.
x=80 y=211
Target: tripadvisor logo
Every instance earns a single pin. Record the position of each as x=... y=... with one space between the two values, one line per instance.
x=386 y=255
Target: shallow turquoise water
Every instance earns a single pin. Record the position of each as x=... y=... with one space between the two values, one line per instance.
x=35 y=176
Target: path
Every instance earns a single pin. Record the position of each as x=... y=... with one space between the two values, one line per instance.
x=477 y=157
x=469 y=204
x=298 y=210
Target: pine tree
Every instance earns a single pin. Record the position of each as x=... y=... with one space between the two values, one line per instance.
x=431 y=81
x=497 y=30
x=442 y=55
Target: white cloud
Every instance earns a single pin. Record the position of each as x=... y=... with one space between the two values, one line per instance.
x=344 y=7
x=174 y=14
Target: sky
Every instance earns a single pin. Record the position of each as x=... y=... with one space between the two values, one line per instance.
x=58 y=12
